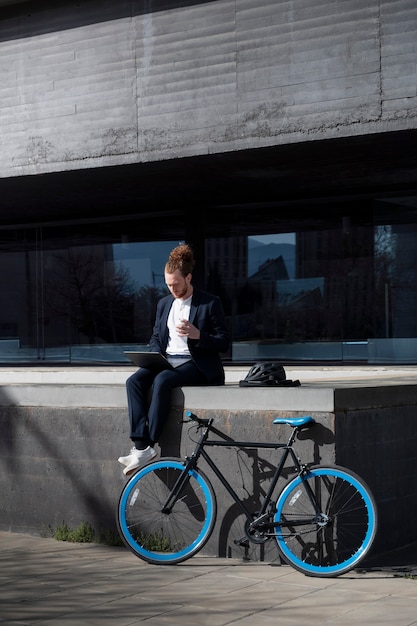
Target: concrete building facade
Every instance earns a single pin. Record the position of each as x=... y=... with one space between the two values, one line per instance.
x=93 y=84
x=125 y=124
x=137 y=122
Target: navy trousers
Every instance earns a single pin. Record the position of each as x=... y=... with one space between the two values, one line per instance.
x=149 y=398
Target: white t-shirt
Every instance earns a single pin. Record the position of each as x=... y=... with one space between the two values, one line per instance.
x=180 y=310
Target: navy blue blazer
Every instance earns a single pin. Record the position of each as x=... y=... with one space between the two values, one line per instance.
x=207 y=315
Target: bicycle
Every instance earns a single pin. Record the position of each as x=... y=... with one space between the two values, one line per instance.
x=324 y=520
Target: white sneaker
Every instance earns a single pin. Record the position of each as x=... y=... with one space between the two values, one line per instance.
x=125 y=460
x=139 y=458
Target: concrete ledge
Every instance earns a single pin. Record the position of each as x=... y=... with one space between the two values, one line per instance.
x=225 y=397
x=325 y=389
x=117 y=374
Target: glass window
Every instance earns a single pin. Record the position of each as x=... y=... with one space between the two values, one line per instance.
x=336 y=289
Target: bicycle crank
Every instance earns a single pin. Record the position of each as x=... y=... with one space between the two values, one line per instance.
x=255 y=533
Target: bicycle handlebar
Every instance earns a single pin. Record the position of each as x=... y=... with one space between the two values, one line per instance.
x=193 y=418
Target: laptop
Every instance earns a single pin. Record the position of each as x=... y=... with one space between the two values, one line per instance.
x=155 y=360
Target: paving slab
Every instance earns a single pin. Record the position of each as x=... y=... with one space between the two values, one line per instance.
x=45 y=582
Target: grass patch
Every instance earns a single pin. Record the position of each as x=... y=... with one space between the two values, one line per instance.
x=85 y=533
x=155 y=542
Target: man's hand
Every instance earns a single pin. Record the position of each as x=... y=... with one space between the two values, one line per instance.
x=186 y=329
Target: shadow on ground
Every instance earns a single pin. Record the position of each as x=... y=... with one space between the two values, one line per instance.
x=402 y=561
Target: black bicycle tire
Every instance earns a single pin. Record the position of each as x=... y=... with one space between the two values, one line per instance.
x=313 y=558
x=148 y=489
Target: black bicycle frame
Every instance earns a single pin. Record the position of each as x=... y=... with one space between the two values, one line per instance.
x=191 y=462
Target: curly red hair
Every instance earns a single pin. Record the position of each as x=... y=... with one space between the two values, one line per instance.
x=181 y=258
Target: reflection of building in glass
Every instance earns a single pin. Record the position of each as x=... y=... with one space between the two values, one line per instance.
x=272 y=269
x=227 y=258
x=343 y=259
x=263 y=286
x=300 y=292
x=402 y=288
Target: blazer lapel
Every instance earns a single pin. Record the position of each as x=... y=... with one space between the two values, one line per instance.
x=194 y=306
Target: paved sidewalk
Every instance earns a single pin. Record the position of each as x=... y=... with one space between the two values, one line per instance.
x=51 y=583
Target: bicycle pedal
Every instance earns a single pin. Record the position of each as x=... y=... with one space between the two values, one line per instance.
x=243 y=543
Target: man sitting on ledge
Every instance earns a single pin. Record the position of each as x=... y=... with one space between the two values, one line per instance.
x=190 y=328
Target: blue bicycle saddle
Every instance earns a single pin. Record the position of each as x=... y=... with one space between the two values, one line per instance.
x=295 y=422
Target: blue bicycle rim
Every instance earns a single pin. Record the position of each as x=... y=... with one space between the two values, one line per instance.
x=161 y=557
x=327 y=570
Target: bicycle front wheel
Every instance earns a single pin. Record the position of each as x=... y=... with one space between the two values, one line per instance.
x=326 y=521
x=160 y=529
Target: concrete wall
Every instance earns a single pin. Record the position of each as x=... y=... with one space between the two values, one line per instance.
x=377 y=437
x=58 y=458
x=87 y=84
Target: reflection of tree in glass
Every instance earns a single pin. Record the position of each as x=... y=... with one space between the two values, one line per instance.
x=396 y=254
x=384 y=246
x=94 y=294
x=216 y=286
x=145 y=302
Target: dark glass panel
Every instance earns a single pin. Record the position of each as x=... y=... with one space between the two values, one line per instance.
x=344 y=290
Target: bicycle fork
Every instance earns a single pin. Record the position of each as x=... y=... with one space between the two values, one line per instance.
x=184 y=477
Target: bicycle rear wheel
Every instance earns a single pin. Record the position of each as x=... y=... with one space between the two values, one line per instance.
x=166 y=536
x=334 y=538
